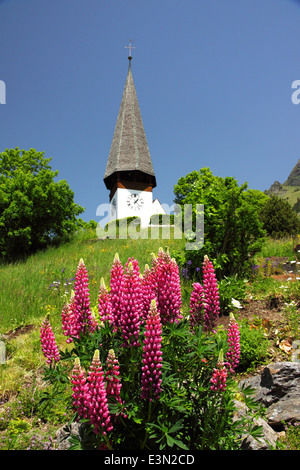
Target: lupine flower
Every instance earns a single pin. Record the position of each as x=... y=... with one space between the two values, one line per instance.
x=113 y=383
x=85 y=320
x=116 y=288
x=104 y=304
x=79 y=388
x=212 y=306
x=233 y=353
x=197 y=305
x=132 y=304
x=152 y=355
x=95 y=399
x=219 y=375
x=48 y=342
x=149 y=287
x=168 y=287
x=69 y=318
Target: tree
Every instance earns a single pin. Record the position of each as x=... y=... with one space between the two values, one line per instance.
x=34 y=209
x=233 y=232
x=279 y=218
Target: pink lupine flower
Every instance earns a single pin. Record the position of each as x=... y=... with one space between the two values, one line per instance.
x=79 y=389
x=95 y=399
x=69 y=318
x=152 y=355
x=197 y=305
x=113 y=383
x=116 y=289
x=212 y=306
x=233 y=335
x=48 y=342
x=168 y=289
x=149 y=287
x=104 y=304
x=219 y=376
x=132 y=304
x=86 y=323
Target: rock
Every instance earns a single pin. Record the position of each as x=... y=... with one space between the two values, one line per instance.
x=267 y=442
x=63 y=436
x=2 y=352
x=296 y=351
x=287 y=409
x=278 y=389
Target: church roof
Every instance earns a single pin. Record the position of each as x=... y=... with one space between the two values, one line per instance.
x=129 y=149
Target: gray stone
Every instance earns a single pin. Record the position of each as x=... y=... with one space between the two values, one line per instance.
x=278 y=389
x=63 y=436
x=296 y=351
x=287 y=409
x=2 y=352
x=267 y=442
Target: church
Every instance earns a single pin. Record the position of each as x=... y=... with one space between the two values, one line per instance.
x=129 y=174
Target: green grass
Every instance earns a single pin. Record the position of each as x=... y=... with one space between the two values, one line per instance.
x=279 y=248
x=26 y=294
x=290 y=193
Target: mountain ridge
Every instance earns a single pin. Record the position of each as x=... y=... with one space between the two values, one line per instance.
x=290 y=189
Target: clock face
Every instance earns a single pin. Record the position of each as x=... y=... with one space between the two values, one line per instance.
x=135 y=202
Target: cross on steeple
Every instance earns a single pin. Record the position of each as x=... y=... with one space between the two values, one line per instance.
x=129 y=47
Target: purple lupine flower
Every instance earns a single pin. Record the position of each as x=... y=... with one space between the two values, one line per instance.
x=233 y=336
x=149 y=286
x=116 y=288
x=152 y=355
x=168 y=287
x=197 y=305
x=104 y=304
x=79 y=389
x=219 y=375
x=132 y=305
x=212 y=305
x=48 y=342
x=95 y=399
x=113 y=383
x=69 y=319
x=86 y=322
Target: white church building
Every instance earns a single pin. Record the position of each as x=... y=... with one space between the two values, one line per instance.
x=129 y=174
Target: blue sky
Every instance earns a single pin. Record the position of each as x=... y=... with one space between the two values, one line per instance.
x=213 y=80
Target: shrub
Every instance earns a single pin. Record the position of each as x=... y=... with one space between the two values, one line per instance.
x=233 y=233
x=254 y=345
x=34 y=209
x=279 y=218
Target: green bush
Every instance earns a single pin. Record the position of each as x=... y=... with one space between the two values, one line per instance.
x=279 y=218
x=233 y=233
x=34 y=209
x=254 y=345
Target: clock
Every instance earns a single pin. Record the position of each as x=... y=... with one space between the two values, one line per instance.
x=135 y=202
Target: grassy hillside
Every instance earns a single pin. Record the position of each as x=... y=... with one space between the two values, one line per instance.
x=291 y=194
x=31 y=288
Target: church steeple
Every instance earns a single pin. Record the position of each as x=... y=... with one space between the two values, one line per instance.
x=129 y=159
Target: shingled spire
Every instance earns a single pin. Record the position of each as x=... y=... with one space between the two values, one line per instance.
x=129 y=159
